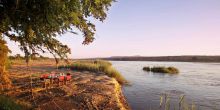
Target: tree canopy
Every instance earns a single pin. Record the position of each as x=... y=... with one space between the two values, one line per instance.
x=35 y=24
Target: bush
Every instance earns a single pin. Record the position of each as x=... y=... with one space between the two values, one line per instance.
x=7 y=103
x=97 y=66
x=171 y=70
x=8 y=64
x=4 y=79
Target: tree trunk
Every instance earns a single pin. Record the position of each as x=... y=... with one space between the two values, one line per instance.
x=57 y=62
x=27 y=60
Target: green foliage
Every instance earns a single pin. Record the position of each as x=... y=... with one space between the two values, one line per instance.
x=16 y=57
x=35 y=24
x=7 y=103
x=97 y=66
x=171 y=70
x=43 y=58
x=8 y=64
x=33 y=57
x=3 y=53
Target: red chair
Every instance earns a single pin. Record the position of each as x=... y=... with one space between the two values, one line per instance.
x=61 y=79
x=68 y=78
x=44 y=76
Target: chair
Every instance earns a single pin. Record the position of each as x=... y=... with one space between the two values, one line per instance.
x=61 y=80
x=68 y=78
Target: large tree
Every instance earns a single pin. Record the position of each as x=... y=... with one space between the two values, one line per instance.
x=4 y=80
x=35 y=24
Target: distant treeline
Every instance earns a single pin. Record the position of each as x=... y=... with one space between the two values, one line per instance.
x=167 y=58
x=33 y=57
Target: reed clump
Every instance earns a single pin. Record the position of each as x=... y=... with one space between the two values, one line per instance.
x=97 y=66
x=161 y=69
x=182 y=103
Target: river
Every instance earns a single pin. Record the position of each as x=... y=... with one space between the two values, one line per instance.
x=199 y=82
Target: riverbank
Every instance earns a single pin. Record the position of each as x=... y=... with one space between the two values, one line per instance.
x=86 y=91
x=96 y=66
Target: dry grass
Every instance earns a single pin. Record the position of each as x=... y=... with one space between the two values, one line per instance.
x=97 y=66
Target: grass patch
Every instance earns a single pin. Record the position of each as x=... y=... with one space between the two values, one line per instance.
x=161 y=69
x=97 y=66
x=35 y=75
x=7 y=103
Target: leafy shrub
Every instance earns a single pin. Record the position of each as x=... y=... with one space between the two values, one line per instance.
x=4 y=79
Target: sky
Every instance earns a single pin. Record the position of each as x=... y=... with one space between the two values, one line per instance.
x=151 y=28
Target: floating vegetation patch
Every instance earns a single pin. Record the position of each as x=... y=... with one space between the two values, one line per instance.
x=161 y=69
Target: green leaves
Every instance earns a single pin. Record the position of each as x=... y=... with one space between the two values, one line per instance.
x=35 y=24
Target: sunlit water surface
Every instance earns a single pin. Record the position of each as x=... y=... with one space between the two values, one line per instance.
x=200 y=82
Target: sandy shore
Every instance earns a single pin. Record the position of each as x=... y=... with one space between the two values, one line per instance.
x=86 y=91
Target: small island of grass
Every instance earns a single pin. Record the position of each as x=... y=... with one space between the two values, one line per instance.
x=161 y=69
x=146 y=68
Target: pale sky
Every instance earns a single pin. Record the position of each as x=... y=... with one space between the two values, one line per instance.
x=152 y=28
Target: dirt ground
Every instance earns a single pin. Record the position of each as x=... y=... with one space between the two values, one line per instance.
x=86 y=90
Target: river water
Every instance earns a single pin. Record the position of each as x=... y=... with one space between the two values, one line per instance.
x=199 y=82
